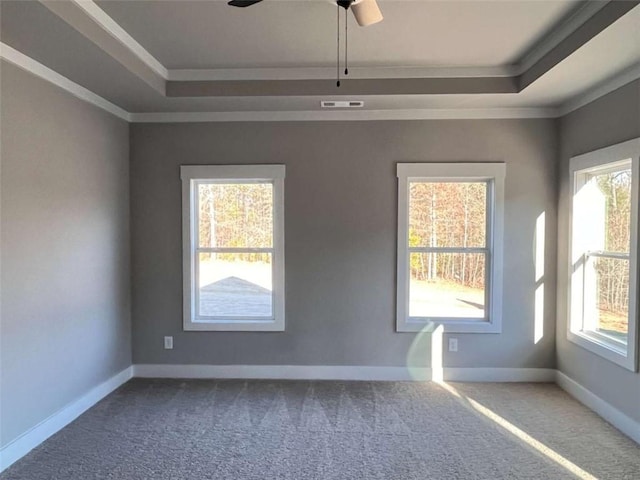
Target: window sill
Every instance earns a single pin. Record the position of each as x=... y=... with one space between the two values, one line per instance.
x=449 y=326
x=603 y=347
x=270 y=325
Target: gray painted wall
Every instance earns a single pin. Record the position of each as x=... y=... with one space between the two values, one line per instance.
x=340 y=237
x=65 y=278
x=611 y=119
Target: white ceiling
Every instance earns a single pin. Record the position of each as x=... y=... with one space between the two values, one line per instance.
x=301 y=33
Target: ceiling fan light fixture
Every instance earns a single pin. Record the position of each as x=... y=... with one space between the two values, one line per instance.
x=366 y=12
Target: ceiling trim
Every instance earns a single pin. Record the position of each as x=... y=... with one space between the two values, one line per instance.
x=623 y=78
x=92 y=22
x=571 y=34
x=36 y=68
x=350 y=115
x=329 y=73
x=532 y=57
x=111 y=26
x=560 y=32
x=594 y=25
x=363 y=86
x=597 y=21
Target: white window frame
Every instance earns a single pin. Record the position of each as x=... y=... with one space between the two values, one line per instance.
x=601 y=345
x=191 y=176
x=492 y=173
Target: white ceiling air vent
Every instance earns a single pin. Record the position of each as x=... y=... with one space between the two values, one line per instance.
x=342 y=104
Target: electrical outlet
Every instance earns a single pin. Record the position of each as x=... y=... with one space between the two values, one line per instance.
x=168 y=343
x=453 y=344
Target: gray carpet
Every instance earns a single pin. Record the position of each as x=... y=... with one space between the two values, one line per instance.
x=174 y=429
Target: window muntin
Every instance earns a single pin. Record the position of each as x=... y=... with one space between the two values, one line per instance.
x=234 y=278
x=606 y=313
x=448 y=218
x=603 y=252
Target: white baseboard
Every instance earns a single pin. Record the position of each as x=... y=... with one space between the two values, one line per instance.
x=615 y=417
x=38 y=434
x=538 y=375
x=342 y=372
x=31 y=439
x=281 y=372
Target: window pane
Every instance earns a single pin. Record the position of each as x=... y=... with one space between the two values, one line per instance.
x=235 y=285
x=613 y=191
x=447 y=214
x=235 y=215
x=447 y=285
x=607 y=297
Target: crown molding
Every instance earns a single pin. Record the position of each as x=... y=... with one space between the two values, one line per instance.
x=348 y=115
x=329 y=73
x=36 y=68
x=538 y=51
x=96 y=26
x=606 y=16
x=572 y=32
x=626 y=76
x=110 y=25
x=560 y=32
x=364 y=86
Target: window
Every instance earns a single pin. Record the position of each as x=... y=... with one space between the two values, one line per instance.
x=603 y=270
x=450 y=223
x=233 y=247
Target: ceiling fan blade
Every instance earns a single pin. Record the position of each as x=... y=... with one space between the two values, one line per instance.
x=243 y=3
x=366 y=12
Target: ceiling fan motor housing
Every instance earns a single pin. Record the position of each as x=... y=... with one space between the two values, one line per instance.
x=344 y=3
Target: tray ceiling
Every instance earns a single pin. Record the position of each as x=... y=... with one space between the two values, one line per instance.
x=191 y=40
